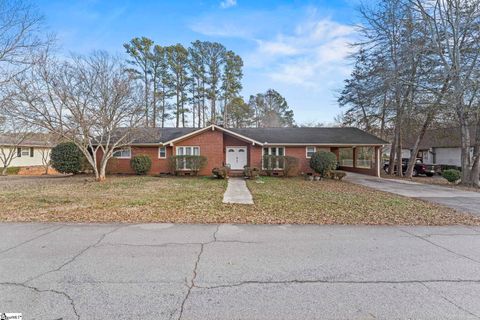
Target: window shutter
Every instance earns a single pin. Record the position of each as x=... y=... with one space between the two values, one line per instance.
x=31 y=152
x=19 y=152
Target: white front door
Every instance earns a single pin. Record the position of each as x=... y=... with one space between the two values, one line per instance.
x=236 y=157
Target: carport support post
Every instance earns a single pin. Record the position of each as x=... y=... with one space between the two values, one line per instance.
x=354 y=164
x=378 y=160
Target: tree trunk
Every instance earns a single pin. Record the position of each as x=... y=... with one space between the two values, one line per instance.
x=225 y=114
x=465 y=154
x=393 y=150
x=416 y=146
x=399 y=155
x=146 y=98
x=4 y=170
x=213 y=116
x=100 y=173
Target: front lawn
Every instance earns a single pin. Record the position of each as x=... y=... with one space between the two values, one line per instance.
x=199 y=200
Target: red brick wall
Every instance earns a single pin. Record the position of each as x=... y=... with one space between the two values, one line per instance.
x=211 y=146
x=123 y=165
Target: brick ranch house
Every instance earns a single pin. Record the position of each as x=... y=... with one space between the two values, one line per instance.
x=356 y=150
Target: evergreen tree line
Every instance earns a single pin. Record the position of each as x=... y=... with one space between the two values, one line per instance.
x=198 y=86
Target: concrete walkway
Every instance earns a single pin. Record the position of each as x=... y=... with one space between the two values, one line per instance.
x=237 y=192
x=464 y=201
x=223 y=272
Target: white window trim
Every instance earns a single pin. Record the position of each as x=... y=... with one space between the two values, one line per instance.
x=176 y=153
x=159 y=156
x=306 y=151
x=128 y=148
x=269 y=147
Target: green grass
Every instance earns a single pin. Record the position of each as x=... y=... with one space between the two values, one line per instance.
x=199 y=200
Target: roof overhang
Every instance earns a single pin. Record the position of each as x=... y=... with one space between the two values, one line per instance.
x=326 y=144
x=212 y=127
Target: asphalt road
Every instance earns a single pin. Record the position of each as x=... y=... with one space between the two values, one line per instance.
x=460 y=200
x=165 y=271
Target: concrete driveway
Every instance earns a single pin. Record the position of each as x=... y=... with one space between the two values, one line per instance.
x=165 y=271
x=464 y=201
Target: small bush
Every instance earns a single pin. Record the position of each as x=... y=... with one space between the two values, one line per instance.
x=221 y=173
x=323 y=162
x=67 y=158
x=187 y=163
x=337 y=174
x=251 y=172
x=452 y=175
x=272 y=163
x=13 y=170
x=141 y=164
x=291 y=166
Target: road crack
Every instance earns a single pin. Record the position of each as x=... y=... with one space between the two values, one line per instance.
x=32 y=239
x=194 y=271
x=322 y=281
x=72 y=259
x=64 y=294
x=450 y=301
x=439 y=246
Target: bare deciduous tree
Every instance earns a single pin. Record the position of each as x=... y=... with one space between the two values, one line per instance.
x=13 y=134
x=89 y=101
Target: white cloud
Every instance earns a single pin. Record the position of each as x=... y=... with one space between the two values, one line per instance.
x=311 y=56
x=228 y=3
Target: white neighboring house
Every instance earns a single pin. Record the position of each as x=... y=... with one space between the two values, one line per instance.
x=31 y=152
x=439 y=147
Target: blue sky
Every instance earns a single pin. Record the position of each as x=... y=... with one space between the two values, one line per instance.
x=299 y=48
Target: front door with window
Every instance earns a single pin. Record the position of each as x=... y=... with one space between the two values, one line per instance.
x=236 y=157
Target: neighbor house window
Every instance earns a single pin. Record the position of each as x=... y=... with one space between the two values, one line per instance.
x=274 y=151
x=186 y=151
x=124 y=153
x=364 y=157
x=310 y=151
x=162 y=152
x=24 y=152
x=345 y=156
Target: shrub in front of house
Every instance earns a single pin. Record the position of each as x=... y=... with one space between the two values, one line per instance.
x=221 y=172
x=452 y=175
x=13 y=170
x=187 y=163
x=337 y=174
x=322 y=162
x=272 y=163
x=141 y=164
x=66 y=157
x=291 y=166
x=251 y=172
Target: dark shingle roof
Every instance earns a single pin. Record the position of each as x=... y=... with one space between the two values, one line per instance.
x=32 y=140
x=440 y=138
x=348 y=136
x=310 y=135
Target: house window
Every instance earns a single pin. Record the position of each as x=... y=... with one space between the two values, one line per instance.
x=182 y=164
x=24 y=152
x=124 y=153
x=364 y=157
x=274 y=151
x=162 y=152
x=310 y=151
x=345 y=156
